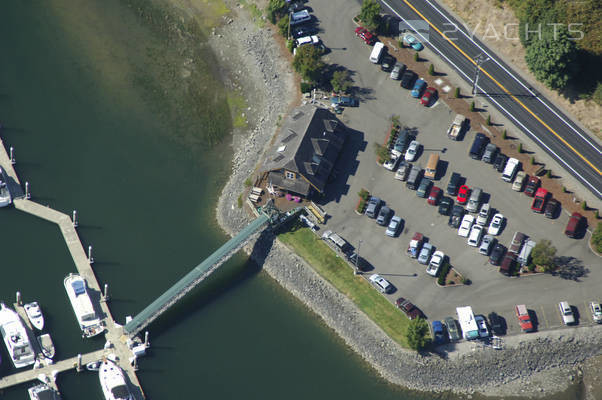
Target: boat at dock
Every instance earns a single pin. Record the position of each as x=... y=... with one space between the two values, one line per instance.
x=5 y=197
x=94 y=365
x=77 y=290
x=34 y=314
x=15 y=338
x=113 y=381
x=43 y=392
x=46 y=345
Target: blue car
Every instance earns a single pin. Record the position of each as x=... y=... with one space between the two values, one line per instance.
x=413 y=42
x=438 y=335
x=343 y=101
x=419 y=87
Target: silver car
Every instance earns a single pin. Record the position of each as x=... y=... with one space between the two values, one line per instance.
x=486 y=245
x=566 y=313
x=397 y=71
x=394 y=226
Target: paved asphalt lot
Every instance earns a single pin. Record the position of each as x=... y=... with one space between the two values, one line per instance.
x=490 y=291
x=584 y=166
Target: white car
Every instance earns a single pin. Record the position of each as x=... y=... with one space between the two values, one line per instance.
x=412 y=150
x=484 y=214
x=381 y=283
x=566 y=313
x=517 y=185
x=465 y=225
x=392 y=164
x=596 y=310
x=475 y=235
x=496 y=224
x=483 y=331
x=435 y=264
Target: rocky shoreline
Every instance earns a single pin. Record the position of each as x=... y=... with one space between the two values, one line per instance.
x=534 y=365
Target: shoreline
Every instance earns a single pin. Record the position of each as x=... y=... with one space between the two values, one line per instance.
x=534 y=365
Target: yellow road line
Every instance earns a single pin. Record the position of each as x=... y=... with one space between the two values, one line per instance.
x=504 y=89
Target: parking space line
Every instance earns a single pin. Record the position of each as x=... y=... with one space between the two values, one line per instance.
x=543 y=314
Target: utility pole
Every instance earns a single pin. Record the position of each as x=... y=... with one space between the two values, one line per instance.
x=479 y=59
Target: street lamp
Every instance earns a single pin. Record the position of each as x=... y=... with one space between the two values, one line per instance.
x=357 y=258
x=479 y=59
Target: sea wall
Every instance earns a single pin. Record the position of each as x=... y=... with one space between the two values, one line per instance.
x=530 y=365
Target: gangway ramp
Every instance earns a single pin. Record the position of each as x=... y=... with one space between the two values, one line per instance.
x=194 y=277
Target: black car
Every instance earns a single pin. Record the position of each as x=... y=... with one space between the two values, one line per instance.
x=496 y=254
x=388 y=63
x=424 y=188
x=383 y=216
x=445 y=205
x=304 y=31
x=454 y=182
x=407 y=79
x=500 y=162
x=479 y=143
x=360 y=262
x=456 y=216
x=551 y=208
x=496 y=322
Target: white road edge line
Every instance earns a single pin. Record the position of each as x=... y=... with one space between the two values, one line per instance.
x=498 y=104
x=514 y=77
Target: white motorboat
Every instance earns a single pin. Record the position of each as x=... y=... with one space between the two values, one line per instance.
x=113 y=381
x=43 y=392
x=93 y=365
x=15 y=338
x=77 y=290
x=34 y=313
x=46 y=345
x=5 y=197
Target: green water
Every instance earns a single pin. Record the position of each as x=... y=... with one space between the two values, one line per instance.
x=104 y=120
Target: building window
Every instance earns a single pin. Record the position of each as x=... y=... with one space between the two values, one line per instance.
x=289 y=175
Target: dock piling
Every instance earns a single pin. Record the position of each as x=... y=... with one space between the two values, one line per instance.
x=79 y=363
x=90 y=258
x=146 y=343
x=105 y=296
x=74 y=219
x=27 y=194
x=19 y=298
x=12 y=156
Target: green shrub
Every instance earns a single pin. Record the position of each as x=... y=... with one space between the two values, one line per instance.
x=306 y=87
x=472 y=106
x=416 y=334
x=416 y=56
x=431 y=69
x=563 y=189
x=520 y=148
x=549 y=173
x=597 y=95
x=443 y=274
x=584 y=205
x=543 y=254
x=457 y=93
x=290 y=45
x=364 y=194
x=382 y=152
x=504 y=135
x=597 y=238
x=283 y=26
x=239 y=200
x=360 y=206
x=488 y=120
x=248 y=182
x=532 y=160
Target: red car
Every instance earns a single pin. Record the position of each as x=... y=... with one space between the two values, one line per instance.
x=463 y=194
x=365 y=35
x=429 y=94
x=434 y=196
x=532 y=185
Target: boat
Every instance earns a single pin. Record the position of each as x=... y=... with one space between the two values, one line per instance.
x=15 y=338
x=34 y=314
x=46 y=345
x=77 y=290
x=5 y=197
x=113 y=382
x=43 y=392
x=93 y=365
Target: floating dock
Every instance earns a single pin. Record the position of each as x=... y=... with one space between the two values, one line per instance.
x=120 y=343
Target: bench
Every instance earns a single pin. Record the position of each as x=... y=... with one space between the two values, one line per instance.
x=254 y=198
x=257 y=191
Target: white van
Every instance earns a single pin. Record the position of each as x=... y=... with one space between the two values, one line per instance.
x=377 y=52
x=510 y=170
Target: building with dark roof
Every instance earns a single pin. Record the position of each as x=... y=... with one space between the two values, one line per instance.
x=304 y=152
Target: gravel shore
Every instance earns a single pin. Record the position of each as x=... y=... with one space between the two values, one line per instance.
x=533 y=365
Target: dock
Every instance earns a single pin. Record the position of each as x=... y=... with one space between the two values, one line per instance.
x=120 y=343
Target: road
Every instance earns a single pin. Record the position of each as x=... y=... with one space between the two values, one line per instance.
x=537 y=117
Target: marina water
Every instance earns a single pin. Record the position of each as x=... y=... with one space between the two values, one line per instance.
x=92 y=131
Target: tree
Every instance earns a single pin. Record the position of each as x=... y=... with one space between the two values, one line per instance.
x=308 y=62
x=382 y=152
x=341 y=81
x=370 y=14
x=543 y=254
x=457 y=93
x=552 y=59
x=275 y=10
x=416 y=334
x=283 y=26
x=597 y=238
x=431 y=69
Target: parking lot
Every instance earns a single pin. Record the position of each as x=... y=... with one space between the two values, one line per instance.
x=380 y=98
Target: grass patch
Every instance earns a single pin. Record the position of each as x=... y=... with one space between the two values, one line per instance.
x=255 y=11
x=238 y=105
x=340 y=275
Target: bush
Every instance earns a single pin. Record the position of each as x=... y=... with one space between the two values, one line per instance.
x=531 y=267
x=416 y=56
x=532 y=161
x=597 y=238
x=472 y=106
x=306 y=87
x=520 y=148
x=382 y=152
x=431 y=69
x=248 y=182
x=276 y=9
x=563 y=189
x=364 y=194
x=457 y=93
x=549 y=173
x=416 y=334
x=504 y=134
x=584 y=205
x=488 y=120
x=597 y=95
x=290 y=45
x=283 y=26
x=443 y=274
x=360 y=206
x=239 y=200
